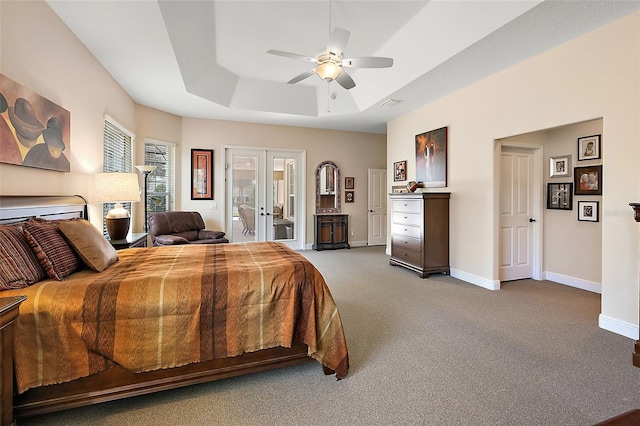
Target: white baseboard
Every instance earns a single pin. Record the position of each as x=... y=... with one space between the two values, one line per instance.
x=358 y=243
x=619 y=327
x=475 y=280
x=573 y=282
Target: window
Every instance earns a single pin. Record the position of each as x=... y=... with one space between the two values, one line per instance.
x=161 y=188
x=118 y=156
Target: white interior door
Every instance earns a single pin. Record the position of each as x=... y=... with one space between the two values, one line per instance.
x=265 y=195
x=377 y=207
x=516 y=214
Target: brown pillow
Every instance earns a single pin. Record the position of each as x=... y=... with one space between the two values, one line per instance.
x=94 y=250
x=18 y=264
x=53 y=252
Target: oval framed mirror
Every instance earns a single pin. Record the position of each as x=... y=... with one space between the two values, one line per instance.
x=327 y=187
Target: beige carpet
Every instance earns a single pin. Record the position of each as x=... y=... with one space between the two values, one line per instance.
x=434 y=351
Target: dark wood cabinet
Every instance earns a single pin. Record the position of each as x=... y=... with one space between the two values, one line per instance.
x=331 y=231
x=420 y=232
x=9 y=308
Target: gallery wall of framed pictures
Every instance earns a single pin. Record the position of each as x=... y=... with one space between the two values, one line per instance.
x=586 y=175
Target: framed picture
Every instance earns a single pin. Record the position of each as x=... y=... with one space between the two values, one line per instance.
x=431 y=158
x=201 y=174
x=399 y=189
x=559 y=196
x=560 y=166
x=589 y=147
x=35 y=132
x=588 y=211
x=400 y=170
x=349 y=196
x=588 y=180
x=349 y=183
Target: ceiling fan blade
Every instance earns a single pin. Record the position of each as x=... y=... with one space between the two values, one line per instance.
x=338 y=40
x=302 y=76
x=291 y=55
x=345 y=80
x=368 y=62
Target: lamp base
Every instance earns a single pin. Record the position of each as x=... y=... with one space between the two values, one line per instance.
x=118 y=228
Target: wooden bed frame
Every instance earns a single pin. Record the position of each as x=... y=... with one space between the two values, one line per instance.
x=114 y=383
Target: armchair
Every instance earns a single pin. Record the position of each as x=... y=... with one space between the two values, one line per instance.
x=170 y=228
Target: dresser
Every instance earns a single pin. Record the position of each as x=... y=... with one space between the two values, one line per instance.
x=420 y=232
x=331 y=231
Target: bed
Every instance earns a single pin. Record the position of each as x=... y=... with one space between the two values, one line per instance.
x=160 y=317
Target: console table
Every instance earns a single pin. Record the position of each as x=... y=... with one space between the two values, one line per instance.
x=331 y=231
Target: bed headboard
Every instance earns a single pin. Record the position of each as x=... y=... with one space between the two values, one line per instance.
x=17 y=208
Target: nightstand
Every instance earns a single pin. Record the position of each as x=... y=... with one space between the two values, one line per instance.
x=8 y=314
x=135 y=240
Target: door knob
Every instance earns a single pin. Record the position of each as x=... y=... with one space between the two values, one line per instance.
x=531 y=219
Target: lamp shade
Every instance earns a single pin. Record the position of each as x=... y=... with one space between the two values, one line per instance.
x=146 y=168
x=116 y=187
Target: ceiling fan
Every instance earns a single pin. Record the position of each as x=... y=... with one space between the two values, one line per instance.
x=329 y=64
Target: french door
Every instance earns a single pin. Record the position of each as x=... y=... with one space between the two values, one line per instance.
x=265 y=193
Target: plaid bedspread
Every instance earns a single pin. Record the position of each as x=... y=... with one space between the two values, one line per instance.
x=164 y=307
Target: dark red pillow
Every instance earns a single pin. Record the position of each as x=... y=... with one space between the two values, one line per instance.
x=53 y=252
x=19 y=266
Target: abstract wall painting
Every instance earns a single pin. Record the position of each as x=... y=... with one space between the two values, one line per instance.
x=34 y=131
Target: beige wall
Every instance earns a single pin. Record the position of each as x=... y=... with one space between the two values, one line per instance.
x=353 y=152
x=594 y=76
x=54 y=64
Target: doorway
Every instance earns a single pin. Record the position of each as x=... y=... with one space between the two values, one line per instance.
x=520 y=214
x=377 y=207
x=265 y=193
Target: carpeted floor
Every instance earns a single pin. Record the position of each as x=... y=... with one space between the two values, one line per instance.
x=434 y=351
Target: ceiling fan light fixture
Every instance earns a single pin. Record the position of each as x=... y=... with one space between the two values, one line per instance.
x=328 y=70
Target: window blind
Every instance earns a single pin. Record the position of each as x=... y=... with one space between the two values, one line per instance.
x=118 y=156
x=161 y=188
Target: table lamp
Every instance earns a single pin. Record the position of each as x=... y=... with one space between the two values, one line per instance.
x=146 y=170
x=117 y=188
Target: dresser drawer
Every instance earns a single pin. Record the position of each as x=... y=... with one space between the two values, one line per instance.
x=401 y=218
x=407 y=243
x=409 y=206
x=400 y=253
x=407 y=231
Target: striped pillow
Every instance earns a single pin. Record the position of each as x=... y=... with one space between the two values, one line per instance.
x=55 y=255
x=19 y=267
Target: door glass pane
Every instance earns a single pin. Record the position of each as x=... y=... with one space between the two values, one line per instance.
x=244 y=198
x=284 y=190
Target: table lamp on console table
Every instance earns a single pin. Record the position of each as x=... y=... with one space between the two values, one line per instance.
x=117 y=188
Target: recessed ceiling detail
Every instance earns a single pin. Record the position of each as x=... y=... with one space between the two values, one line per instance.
x=208 y=59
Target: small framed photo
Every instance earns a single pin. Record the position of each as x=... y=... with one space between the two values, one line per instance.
x=560 y=196
x=588 y=180
x=349 y=196
x=588 y=211
x=399 y=189
x=349 y=183
x=589 y=147
x=560 y=166
x=400 y=170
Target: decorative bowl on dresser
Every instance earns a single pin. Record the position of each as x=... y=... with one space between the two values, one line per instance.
x=420 y=232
